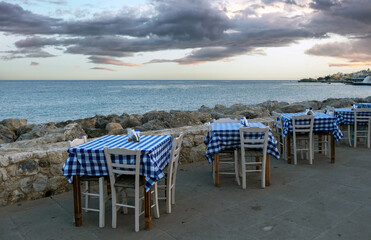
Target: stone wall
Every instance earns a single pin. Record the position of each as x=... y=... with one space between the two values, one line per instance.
x=32 y=169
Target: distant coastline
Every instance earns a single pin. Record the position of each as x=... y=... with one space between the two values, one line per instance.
x=354 y=78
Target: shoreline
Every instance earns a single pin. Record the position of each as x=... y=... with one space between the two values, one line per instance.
x=14 y=130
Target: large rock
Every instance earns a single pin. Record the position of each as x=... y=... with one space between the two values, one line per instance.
x=180 y=119
x=38 y=131
x=87 y=122
x=293 y=108
x=25 y=129
x=72 y=131
x=6 y=135
x=13 y=123
x=315 y=105
x=156 y=115
x=114 y=128
x=95 y=132
x=337 y=102
x=202 y=116
x=152 y=125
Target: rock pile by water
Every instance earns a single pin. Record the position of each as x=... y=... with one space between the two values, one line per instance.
x=12 y=130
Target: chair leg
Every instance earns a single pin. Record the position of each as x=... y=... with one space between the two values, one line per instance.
x=157 y=212
x=136 y=210
x=349 y=136
x=243 y=167
x=168 y=198
x=310 y=151
x=114 y=209
x=369 y=134
x=87 y=197
x=295 y=152
x=101 y=203
x=236 y=167
x=355 y=135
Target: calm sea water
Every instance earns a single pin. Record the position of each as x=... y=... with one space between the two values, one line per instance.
x=53 y=101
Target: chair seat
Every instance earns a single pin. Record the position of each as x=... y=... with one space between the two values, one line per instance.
x=127 y=181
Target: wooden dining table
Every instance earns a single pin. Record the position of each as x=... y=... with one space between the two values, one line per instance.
x=89 y=159
x=324 y=125
x=227 y=136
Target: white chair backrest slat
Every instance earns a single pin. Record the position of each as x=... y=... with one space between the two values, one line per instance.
x=299 y=123
x=359 y=115
x=261 y=142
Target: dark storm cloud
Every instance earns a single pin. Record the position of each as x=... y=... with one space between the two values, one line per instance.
x=14 y=19
x=182 y=24
x=323 y=4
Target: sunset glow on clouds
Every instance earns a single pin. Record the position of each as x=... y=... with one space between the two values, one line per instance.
x=184 y=38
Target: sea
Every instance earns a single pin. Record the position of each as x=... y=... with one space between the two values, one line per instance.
x=56 y=101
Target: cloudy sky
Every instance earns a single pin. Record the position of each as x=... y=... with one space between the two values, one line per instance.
x=183 y=39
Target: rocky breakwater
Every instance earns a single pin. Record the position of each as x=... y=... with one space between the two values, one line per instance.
x=32 y=155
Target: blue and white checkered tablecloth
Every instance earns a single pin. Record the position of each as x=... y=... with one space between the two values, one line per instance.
x=322 y=122
x=363 y=105
x=346 y=116
x=88 y=159
x=227 y=136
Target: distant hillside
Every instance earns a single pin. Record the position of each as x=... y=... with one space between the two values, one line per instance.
x=341 y=77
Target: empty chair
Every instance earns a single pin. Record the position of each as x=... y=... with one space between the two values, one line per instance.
x=303 y=131
x=227 y=158
x=278 y=127
x=170 y=174
x=362 y=118
x=254 y=143
x=331 y=112
x=124 y=176
x=87 y=192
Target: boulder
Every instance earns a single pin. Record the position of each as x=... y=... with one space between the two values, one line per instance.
x=6 y=135
x=220 y=108
x=25 y=129
x=293 y=108
x=315 y=105
x=156 y=115
x=154 y=124
x=180 y=119
x=38 y=131
x=202 y=116
x=95 y=132
x=87 y=122
x=204 y=108
x=114 y=128
x=72 y=131
x=14 y=124
x=337 y=102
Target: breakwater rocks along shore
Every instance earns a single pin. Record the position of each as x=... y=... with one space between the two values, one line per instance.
x=12 y=130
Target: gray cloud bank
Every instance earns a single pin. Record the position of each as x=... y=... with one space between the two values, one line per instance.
x=201 y=25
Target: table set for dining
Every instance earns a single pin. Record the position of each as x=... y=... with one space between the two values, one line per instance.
x=88 y=159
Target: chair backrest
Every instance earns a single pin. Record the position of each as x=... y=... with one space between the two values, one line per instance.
x=330 y=111
x=226 y=120
x=258 y=139
x=122 y=168
x=174 y=157
x=362 y=115
x=277 y=120
x=77 y=141
x=302 y=123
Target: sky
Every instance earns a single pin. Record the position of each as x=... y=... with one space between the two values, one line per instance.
x=183 y=39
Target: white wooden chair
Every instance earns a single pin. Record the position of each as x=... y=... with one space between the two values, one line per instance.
x=170 y=174
x=359 y=118
x=227 y=158
x=123 y=177
x=303 y=132
x=279 y=132
x=252 y=150
x=87 y=192
x=331 y=112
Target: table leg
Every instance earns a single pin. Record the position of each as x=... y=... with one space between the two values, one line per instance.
x=332 y=148
x=288 y=146
x=147 y=210
x=320 y=144
x=77 y=200
x=267 y=171
x=216 y=159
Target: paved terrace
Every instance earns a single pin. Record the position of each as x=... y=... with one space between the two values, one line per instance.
x=322 y=201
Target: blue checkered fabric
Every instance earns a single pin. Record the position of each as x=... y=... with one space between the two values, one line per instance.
x=322 y=122
x=363 y=105
x=227 y=136
x=88 y=159
x=346 y=116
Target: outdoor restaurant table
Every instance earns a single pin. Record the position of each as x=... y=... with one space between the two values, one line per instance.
x=323 y=125
x=346 y=115
x=227 y=136
x=89 y=159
